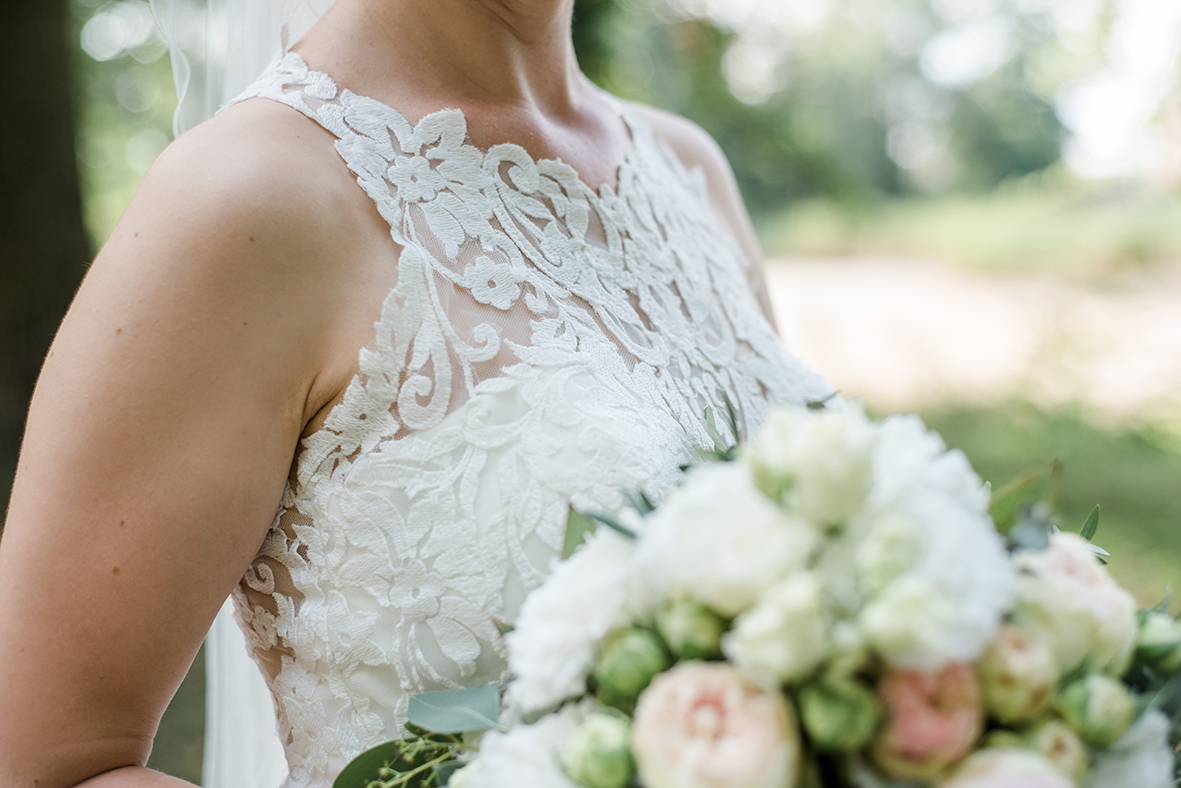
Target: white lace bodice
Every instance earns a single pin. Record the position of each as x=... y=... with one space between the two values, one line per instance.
x=545 y=346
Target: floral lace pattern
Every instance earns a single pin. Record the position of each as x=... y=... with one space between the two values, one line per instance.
x=545 y=345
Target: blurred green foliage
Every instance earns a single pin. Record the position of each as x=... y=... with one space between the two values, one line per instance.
x=1046 y=222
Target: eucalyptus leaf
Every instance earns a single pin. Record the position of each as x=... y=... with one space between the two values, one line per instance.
x=1091 y=525
x=1032 y=531
x=578 y=527
x=456 y=711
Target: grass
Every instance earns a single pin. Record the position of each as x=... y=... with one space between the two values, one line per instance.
x=1042 y=223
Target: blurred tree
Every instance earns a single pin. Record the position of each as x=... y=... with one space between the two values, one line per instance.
x=42 y=239
x=853 y=110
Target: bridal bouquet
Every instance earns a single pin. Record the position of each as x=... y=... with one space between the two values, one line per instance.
x=829 y=605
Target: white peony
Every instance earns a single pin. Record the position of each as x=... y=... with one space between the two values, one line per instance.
x=1142 y=758
x=718 y=540
x=959 y=580
x=560 y=625
x=527 y=754
x=818 y=463
x=1064 y=593
x=891 y=547
x=785 y=635
x=909 y=458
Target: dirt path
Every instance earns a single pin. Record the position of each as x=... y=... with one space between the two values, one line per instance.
x=903 y=334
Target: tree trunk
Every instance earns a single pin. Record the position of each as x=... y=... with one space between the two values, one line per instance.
x=43 y=243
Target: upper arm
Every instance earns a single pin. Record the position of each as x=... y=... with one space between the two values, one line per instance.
x=696 y=148
x=156 y=451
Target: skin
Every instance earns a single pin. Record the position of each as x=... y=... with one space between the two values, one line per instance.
x=218 y=326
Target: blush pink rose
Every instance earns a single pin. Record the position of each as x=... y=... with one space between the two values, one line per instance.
x=1007 y=768
x=933 y=721
x=706 y=725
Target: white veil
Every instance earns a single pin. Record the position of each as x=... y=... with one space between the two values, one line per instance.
x=218 y=48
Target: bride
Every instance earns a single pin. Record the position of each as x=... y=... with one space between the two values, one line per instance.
x=354 y=350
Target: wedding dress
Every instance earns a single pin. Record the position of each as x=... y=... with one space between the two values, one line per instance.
x=546 y=345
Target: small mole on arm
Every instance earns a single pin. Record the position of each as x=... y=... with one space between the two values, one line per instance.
x=252 y=239
x=115 y=571
x=137 y=235
x=122 y=523
x=118 y=331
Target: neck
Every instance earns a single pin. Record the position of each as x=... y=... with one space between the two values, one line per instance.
x=494 y=51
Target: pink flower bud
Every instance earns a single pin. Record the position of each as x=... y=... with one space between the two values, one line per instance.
x=933 y=721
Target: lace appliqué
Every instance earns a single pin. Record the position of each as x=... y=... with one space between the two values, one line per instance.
x=545 y=345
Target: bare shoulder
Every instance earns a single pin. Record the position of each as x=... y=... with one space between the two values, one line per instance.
x=696 y=148
x=258 y=163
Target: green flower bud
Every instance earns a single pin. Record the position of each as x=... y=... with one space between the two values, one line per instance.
x=840 y=715
x=1061 y=746
x=629 y=660
x=1159 y=641
x=599 y=754
x=1017 y=674
x=691 y=630
x=1098 y=707
x=1002 y=738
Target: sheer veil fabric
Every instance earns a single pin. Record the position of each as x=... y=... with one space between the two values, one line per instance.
x=218 y=48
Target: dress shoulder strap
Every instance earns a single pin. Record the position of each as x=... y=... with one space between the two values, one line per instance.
x=288 y=80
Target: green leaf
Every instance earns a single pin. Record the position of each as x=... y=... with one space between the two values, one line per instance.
x=504 y=628
x=822 y=403
x=639 y=501
x=614 y=525
x=578 y=527
x=731 y=415
x=1091 y=525
x=366 y=767
x=711 y=426
x=456 y=711
x=444 y=771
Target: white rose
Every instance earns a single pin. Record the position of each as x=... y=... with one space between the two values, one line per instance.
x=785 y=635
x=891 y=547
x=720 y=541
x=560 y=625
x=818 y=463
x=1065 y=593
x=1142 y=758
x=1002 y=767
x=908 y=622
x=706 y=725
